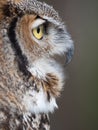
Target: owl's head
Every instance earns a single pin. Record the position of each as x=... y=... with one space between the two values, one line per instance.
x=36 y=30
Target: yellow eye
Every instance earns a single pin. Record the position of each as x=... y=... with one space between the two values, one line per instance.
x=38 y=32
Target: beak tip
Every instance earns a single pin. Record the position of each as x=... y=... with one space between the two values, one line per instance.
x=69 y=55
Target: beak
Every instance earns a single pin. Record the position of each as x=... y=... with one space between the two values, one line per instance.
x=69 y=55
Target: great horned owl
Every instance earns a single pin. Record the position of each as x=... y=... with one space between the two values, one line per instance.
x=31 y=34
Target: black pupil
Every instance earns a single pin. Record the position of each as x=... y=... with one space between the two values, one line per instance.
x=38 y=30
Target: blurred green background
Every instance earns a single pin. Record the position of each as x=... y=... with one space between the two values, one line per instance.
x=78 y=105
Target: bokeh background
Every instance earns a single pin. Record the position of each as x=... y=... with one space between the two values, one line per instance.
x=78 y=105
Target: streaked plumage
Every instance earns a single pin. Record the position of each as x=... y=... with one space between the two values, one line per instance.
x=31 y=34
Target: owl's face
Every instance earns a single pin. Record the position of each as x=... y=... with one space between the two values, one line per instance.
x=37 y=30
x=39 y=37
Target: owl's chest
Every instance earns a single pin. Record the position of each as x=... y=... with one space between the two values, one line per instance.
x=24 y=94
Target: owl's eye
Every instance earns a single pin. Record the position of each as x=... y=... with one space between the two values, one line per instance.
x=39 y=32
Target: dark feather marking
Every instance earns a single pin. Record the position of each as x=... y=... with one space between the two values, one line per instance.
x=9 y=11
x=44 y=120
x=22 y=59
x=48 y=96
x=6 y=10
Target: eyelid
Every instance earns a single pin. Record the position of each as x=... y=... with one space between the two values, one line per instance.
x=37 y=23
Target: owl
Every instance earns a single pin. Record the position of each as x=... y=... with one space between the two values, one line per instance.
x=31 y=79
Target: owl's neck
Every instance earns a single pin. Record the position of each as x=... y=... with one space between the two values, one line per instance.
x=50 y=73
x=42 y=67
x=48 y=80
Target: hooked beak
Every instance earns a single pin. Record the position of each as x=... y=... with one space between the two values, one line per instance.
x=69 y=55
